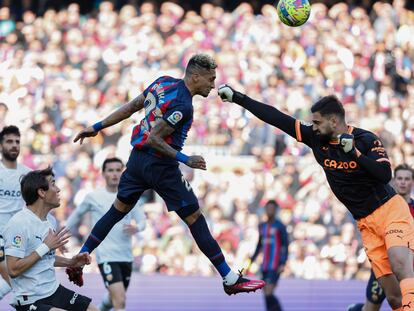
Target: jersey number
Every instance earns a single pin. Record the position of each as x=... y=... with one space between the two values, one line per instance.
x=186 y=183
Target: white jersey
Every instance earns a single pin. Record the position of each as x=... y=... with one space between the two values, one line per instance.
x=117 y=246
x=11 y=200
x=23 y=234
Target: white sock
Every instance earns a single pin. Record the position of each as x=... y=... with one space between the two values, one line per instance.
x=231 y=278
x=106 y=303
x=4 y=288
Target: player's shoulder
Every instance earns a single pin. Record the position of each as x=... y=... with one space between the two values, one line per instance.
x=20 y=219
x=361 y=134
x=23 y=168
x=279 y=223
x=96 y=194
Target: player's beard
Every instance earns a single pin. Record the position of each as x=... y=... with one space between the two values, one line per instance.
x=324 y=138
x=10 y=157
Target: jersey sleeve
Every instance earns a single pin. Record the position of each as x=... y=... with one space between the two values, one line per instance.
x=139 y=216
x=79 y=211
x=303 y=132
x=177 y=114
x=376 y=150
x=16 y=240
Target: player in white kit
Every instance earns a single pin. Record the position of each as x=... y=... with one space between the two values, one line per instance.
x=114 y=254
x=31 y=238
x=10 y=198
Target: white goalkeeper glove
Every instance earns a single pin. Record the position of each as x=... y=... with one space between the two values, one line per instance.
x=226 y=93
x=347 y=143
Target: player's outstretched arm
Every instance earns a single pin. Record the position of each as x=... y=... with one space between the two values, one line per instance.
x=117 y=116
x=79 y=260
x=264 y=112
x=156 y=141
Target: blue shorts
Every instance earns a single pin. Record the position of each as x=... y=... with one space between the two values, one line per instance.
x=271 y=276
x=374 y=291
x=144 y=171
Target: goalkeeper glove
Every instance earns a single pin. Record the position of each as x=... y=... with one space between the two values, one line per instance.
x=347 y=143
x=226 y=93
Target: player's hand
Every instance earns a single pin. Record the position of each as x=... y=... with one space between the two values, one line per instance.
x=281 y=268
x=196 y=162
x=56 y=240
x=226 y=93
x=87 y=132
x=80 y=260
x=130 y=229
x=347 y=142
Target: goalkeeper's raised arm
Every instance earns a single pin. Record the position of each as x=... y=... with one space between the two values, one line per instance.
x=266 y=113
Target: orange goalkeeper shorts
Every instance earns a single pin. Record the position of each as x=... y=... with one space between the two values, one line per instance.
x=389 y=225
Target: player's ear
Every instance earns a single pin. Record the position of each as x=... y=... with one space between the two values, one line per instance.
x=41 y=193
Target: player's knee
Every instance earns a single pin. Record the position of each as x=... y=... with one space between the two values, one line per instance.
x=123 y=207
x=189 y=214
x=118 y=300
x=400 y=267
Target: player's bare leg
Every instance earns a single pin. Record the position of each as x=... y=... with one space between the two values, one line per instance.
x=118 y=295
x=391 y=287
x=401 y=261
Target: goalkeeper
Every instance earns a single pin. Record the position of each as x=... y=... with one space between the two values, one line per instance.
x=358 y=171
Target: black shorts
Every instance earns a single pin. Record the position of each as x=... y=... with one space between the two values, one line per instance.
x=62 y=298
x=374 y=292
x=1 y=248
x=113 y=272
x=144 y=171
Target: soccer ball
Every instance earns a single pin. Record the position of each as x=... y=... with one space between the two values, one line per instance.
x=293 y=12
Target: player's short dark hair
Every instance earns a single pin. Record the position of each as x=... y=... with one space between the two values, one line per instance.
x=7 y=130
x=404 y=167
x=33 y=181
x=199 y=62
x=329 y=105
x=111 y=160
x=272 y=202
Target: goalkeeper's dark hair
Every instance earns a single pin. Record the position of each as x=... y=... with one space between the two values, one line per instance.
x=329 y=105
x=111 y=160
x=7 y=130
x=33 y=181
x=199 y=63
x=404 y=167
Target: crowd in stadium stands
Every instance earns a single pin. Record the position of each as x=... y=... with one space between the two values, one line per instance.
x=61 y=70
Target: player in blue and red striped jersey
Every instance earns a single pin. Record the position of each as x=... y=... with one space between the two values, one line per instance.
x=273 y=243
x=153 y=163
x=375 y=295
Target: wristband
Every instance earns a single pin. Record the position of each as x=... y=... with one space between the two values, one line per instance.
x=97 y=126
x=181 y=157
x=42 y=250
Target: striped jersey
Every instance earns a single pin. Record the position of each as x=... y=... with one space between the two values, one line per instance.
x=411 y=205
x=169 y=99
x=273 y=242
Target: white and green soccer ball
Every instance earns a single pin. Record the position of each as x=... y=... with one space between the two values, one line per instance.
x=293 y=12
